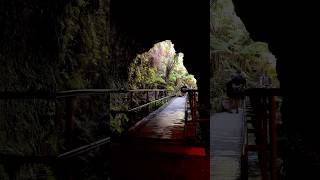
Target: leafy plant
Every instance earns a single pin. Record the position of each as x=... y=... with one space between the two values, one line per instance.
x=160 y=67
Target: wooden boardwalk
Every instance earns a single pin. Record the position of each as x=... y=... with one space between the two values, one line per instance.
x=157 y=149
x=166 y=123
x=225 y=145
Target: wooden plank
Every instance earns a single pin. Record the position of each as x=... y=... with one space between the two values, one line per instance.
x=273 y=139
x=226 y=145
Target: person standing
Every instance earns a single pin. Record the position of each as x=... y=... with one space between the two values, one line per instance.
x=235 y=89
x=265 y=81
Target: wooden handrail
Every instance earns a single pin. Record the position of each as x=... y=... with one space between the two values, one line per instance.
x=84 y=148
x=5 y=158
x=70 y=96
x=69 y=93
x=83 y=92
x=144 y=105
x=264 y=108
x=146 y=90
x=139 y=107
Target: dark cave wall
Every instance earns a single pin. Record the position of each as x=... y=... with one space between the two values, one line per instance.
x=27 y=41
x=291 y=29
x=28 y=56
x=51 y=46
x=122 y=52
x=83 y=36
x=59 y=45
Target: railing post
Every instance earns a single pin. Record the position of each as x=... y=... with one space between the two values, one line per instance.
x=147 y=96
x=70 y=103
x=193 y=105
x=59 y=111
x=264 y=136
x=244 y=164
x=273 y=138
x=131 y=99
x=149 y=107
x=155 y=98
x=108 y=107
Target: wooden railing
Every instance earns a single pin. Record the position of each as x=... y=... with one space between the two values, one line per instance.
x=191 y=117
x=262 y=112
x=12 y=162
x=196 y=128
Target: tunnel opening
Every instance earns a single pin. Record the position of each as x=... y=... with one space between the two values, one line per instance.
x=144 y=23
x=161 y=68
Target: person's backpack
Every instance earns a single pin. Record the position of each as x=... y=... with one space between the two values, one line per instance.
x=237 y=88
x=238 y=84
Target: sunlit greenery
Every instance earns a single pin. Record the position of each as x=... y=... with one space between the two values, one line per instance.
x=161 y=67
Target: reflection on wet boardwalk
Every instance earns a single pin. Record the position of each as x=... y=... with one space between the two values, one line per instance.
x=225 y=145
x=166 y=124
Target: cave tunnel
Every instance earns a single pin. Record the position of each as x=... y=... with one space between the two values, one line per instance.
x=52 y=46
x=290 y=36
x=184 y=23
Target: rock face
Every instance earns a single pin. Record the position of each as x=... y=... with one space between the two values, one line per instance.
x=290 y=39
x=50 y=46
x=28 y=48
x=83 y=32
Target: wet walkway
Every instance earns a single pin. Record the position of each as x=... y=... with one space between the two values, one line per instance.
x=225 y=145
x=165 y=123
x=157 y=149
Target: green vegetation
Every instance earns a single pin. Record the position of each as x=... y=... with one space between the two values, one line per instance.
x=161 y=67
x=83 y=48
x=231 y=49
